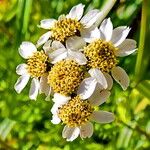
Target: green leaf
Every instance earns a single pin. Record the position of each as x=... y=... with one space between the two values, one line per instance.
x=5 y=127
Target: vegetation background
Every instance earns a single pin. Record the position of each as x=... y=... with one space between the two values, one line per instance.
x=25 y=124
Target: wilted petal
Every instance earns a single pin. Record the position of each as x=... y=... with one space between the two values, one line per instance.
x=121 y=77
x=57 y=45
x=43 y=39
x=79 y=57
x=126 y=48
x=119 y=35
x=47 y=46
x=109 y=80
x=27 y=49
x=107 y=29
x=21 y=69
x=86 y=130
x=76 y=12
x=47 y=23
x=34 y=89
x=70 y=133
x=90 y=34
x=21 y=83
x=75 y=43
x=90 y=18
x=87 y=88
x=99 y=76
x=102 y=116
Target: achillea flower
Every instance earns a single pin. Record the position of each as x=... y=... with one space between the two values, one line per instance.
x=105 y=45
x=36 y=68
x=70 y=25
x=76 y=114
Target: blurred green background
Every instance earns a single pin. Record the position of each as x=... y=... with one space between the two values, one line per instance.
x=25 y=124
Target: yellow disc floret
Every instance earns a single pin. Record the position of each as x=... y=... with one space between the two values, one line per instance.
x=37 y=64
x=65 y=76
x=65 y=28
x=76 y=112
x=100 y=54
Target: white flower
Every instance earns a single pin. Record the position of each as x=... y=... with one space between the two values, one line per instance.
x=80 y=125
x=107 y=44
x=71 y=51
x=69 y=25
x=35 y=68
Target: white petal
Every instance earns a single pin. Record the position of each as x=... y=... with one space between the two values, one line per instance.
x=21 y=83
x=43 y=39
x=86 y=130
x=47 y=46
x=98 y=75
x=27 y=49
x=99 y=97
x=58 y=55
x=121 y=77
x=79 y=57
x=55 y=119
x=107 y=29
x=54 y=109
x=109 y=80
x=76 y=12
x=47 y=23
x=21 y=69
x=34 y=89
x=90 y=18
x=119 y=35
x=126 y=48
x=102 y=116
x=75 y=43
x=70 y=133
x=90 y=34
x=44 y=87
x=60 y=99
x=87 y=88
x=57 y=45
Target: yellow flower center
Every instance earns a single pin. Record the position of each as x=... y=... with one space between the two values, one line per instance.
x=37 y=64
x=76 y=112
x=65 y=28
x=65 y=76
x=100 y=54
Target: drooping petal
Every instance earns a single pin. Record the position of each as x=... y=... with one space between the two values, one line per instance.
x=27 y=49
x=98 y=75
x=55 y=119
x=119 y=35
x=60 y=99
x=107 y=29
x=34 y=89
x=79 y=57
x=70 y=133
x=109 y=80
x=86 y=130
x=21 y=69
x=47 y=23
x=44 y=87
x=90 y=34
x=47 y=47
x=102 y=116
x=87 y=88
x=43 y=39
x=121 y=77
x=21 y=83
x=57 y=45
x=58 y=55
x=99 y=97
x=90 y=18
x=75 y=43
x=126 y=48
x=76 y=12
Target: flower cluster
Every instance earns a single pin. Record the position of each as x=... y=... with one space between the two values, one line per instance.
x=76 y=62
